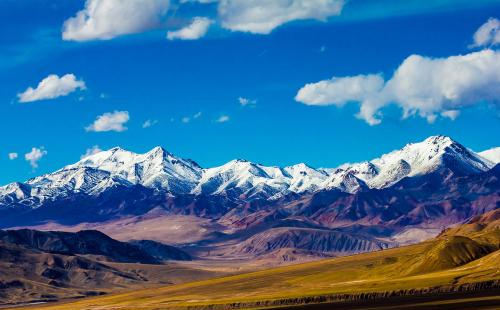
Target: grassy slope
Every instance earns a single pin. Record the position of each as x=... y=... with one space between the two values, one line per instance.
x=460 y=256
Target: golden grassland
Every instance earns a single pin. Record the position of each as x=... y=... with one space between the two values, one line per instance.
x=458 y=257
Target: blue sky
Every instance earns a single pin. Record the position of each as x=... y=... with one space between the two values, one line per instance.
x=171 y=81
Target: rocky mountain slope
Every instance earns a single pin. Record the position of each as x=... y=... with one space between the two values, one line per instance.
x=313 y=240
x=92 y=242
x=43 y=266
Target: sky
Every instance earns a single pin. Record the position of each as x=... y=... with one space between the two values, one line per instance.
x=275 y=82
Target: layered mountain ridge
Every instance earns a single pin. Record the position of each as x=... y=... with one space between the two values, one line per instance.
x=243 y=209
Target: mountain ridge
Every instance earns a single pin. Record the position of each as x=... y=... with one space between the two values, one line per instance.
x=161 y=170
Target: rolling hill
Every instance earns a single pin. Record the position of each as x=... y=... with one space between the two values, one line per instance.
x=463 y=258
x=42 y=266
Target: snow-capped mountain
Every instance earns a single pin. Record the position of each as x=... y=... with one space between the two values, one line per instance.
x=241 y=176
x=246 y=178
x=156 y=168
x=162 y=171
x=415 y=159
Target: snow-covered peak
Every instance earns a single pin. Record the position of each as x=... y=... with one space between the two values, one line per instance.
x=241 y=176
x=413 y=159
x=110 y=160
x=492 y=155
x=345 y=181
x=305 y=178
x=422 y=157
x=156 y=168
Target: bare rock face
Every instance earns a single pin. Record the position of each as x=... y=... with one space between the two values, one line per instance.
x=88 y=242
x=160 y=251
x=315 y=240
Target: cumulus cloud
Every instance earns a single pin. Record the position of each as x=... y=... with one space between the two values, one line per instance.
x=340 y=90
x=106 y=19
x=197 y=115
x=113 y=121
x=421 y=85
x=34 y=156
x=247 y=102
x=52 y=87
x=262 y=16
x=13 y=156
x=91 y=151
x=197 y=29
x=488 y=34
x=149 y=123
x=222 y=119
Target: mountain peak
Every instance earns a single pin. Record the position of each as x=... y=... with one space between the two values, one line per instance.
x=436 y=143
x=301 y=166
x=116 y=149
x=439 y=139
x=158 y=151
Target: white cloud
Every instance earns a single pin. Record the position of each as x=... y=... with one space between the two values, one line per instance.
x=339 y=91
x=421 y=85
x=187 y=119
x=222 y=119
x=34 y=156
x=149 y=123
x=451 y=114
x=488 y=34
x=262 y=16
x=52 y=87
x=246 y=102
x=106 y=19
x=113 y=121
x=91 y=151
x=197 y=29
x=13 y=156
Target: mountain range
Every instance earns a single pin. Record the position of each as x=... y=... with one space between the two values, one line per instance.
x=245 y=209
